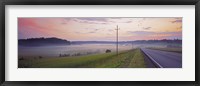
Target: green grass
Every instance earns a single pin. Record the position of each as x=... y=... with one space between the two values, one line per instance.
x=138 y=60
x=125 y=59
x=176 y=50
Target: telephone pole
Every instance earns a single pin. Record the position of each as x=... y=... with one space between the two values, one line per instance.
x=132 y=44
x=117 y=39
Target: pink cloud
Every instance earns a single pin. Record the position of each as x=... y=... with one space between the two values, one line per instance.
x=36 y=27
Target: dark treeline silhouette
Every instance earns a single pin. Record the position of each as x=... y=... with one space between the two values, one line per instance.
x=42 y=41
x=56 y=41
x=174 y=41
x=93 y=42
x=178 y=41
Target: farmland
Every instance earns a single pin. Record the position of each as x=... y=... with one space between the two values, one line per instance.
x=125 y=59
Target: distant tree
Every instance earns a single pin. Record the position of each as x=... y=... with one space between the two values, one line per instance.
x=60 y=55
x=22 y=58
x=108 y=51
x=40 y=57
x=78 y=54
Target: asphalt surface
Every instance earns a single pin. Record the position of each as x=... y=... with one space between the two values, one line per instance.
x=164 y=59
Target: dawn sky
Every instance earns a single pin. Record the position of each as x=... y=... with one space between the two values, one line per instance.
x=100 y=28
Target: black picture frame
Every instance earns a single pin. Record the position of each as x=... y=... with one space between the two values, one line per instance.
x=98 y=2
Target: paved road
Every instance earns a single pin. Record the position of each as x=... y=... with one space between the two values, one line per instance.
x=163 y=58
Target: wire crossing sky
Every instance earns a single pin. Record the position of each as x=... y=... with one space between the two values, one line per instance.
x=100 y=28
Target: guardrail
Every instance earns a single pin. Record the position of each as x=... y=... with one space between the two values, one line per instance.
x=151 y=58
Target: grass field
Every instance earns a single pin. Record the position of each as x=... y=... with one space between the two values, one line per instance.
x=125 y=59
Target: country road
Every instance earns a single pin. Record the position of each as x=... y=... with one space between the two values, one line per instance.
x=164 y=59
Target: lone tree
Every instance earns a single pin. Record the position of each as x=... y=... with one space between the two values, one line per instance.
x=108 y=51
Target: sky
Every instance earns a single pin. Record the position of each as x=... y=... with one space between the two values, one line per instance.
x=100 y=28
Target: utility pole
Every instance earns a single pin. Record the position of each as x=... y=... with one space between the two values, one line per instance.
x=117 y=39
x=132 y=44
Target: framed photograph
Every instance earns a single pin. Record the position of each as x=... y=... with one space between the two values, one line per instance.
x=109 y=42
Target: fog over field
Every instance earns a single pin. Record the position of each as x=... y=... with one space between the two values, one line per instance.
x=81 y=49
